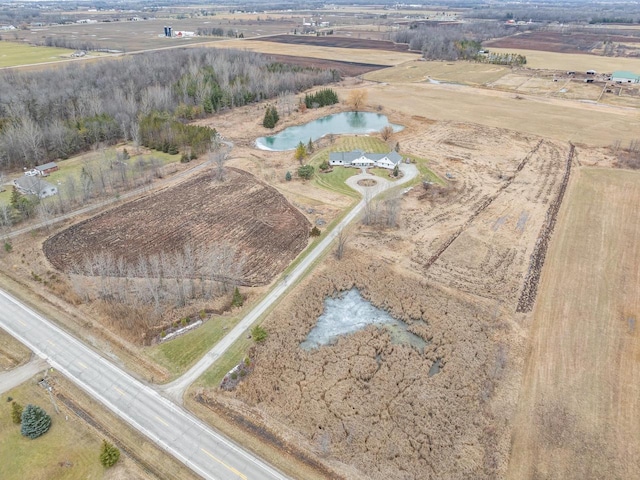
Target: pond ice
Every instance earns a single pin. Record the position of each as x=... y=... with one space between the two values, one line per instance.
x=347 y=313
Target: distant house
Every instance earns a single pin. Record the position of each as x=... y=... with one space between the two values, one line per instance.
x=35 y=186
x=622 y=76
x=358 y=158
x=47 y=168
x=591 y=72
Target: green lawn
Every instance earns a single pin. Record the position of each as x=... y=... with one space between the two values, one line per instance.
x=13 y=54
x=67 y=440
x=335 y=180
x=181 y=353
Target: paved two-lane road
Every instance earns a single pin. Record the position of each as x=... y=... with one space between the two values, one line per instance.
x=175 y=430
x=171 y=427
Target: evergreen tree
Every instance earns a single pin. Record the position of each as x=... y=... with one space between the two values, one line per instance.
x=16 y=412
x=396 y=171
x=287 y=177
x=35 y=422
x=271 y=117
x=15 y=197
x=109 y=454
x=306 y=172
x=237 y=300
x=310 y=146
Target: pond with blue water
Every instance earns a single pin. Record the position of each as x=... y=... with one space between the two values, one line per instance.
x=336 y=124
x=349 y=312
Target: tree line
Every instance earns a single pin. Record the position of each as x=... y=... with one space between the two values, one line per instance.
x=452 y=42
x=56 y=113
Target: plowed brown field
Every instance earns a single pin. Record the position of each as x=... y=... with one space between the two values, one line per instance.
x=251 y=215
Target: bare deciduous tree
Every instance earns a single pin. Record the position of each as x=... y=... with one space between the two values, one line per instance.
x=341 y=241
x=386 y=132
x=357 y=99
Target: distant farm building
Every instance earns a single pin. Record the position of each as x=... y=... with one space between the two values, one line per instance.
x=622 y=76
x=35 y=186
x=591 y=72
x=358 y=158
x=47 y=168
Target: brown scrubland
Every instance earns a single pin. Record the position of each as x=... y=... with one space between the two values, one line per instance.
x=366 y=407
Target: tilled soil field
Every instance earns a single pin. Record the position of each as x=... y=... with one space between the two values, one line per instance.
x=369 y=407
x=266 y=230
x=347 y=69
x=574 y=42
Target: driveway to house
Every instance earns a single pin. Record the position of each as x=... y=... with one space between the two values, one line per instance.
x=14 y=377
x=176 y=389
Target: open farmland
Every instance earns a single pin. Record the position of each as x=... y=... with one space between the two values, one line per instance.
x=580 y=62
x=267 y=232
x=360 y=55
x=569 y=42
x=15 y=54
x=579 y=407
x=368 y=407
x=338 y=42
x=457 y=72
x=559 y=119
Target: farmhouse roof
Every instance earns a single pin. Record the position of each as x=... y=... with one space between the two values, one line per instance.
x=345 y=157
x=32 y=185
x=348 y=157
x=46 y=166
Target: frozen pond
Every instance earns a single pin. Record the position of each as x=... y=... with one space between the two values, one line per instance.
x=346 y=122
x=349 y=312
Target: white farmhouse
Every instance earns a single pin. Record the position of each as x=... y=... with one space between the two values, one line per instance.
x=358 y=158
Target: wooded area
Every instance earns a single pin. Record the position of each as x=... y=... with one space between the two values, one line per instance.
x=45 y=115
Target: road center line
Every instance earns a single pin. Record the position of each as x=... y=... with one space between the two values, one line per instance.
x=231 y=469
x=119 y=391
x=82 y=365
x=162 y=421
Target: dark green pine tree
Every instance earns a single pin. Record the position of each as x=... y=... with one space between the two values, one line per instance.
x=35 y=422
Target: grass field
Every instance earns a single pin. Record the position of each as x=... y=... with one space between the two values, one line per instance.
x=12 y=352
x=14 y=54
x=457 y=72
x=376 y=57
x=67 y=441
x=181 y=353
x=579 y=408
x=573 y=61
x=548 y=117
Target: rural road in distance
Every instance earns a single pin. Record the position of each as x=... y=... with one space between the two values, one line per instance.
x=177 y=388
x=168 y=425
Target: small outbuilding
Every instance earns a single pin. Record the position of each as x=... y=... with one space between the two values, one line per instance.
x=622 y=76
x=47 y=168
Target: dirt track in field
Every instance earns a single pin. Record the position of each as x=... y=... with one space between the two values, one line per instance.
x=243 y=211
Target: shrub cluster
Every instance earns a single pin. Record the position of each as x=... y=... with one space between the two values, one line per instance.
x=321 y=98
x=271 y=117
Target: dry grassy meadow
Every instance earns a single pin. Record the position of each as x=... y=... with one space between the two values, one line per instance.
x=579 y=407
